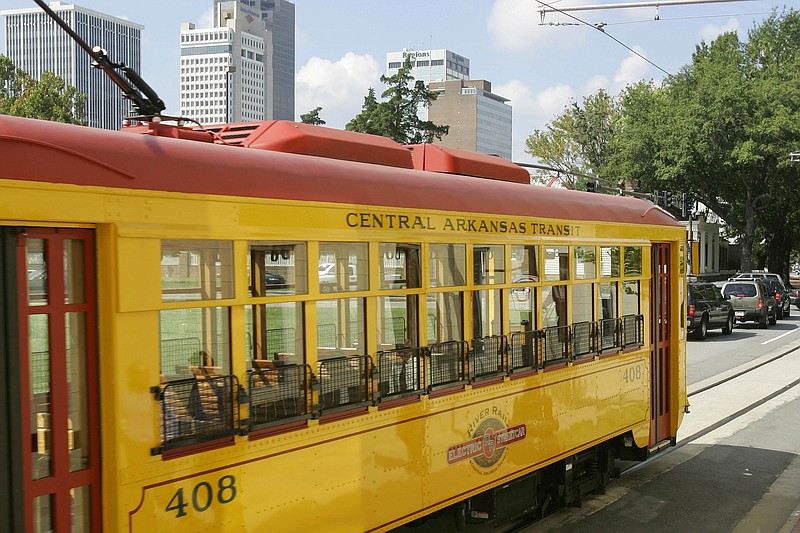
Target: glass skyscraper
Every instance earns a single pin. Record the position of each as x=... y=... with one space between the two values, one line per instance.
x=36 y=44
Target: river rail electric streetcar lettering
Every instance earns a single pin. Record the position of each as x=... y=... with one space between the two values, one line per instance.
x=283 y=327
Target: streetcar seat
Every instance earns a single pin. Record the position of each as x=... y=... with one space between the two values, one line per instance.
x=206 y=371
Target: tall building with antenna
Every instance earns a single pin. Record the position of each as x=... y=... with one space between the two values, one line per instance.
x=35 y=44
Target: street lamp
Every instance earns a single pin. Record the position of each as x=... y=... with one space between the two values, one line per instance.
x=229 y=69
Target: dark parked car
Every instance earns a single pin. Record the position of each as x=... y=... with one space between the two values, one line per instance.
x=273 y=279
x=707 y=308
x=752 y=301
x=794 y=297
x=781 y=296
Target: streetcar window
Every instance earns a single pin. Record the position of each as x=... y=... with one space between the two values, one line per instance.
x=194 y=340
x=585 y=262
x=609 y=261
x=36 y=256
x=340 y=327
x=633 y=261
x=520 y=308
x=343 y=267
x=397 y=322
x=582 y=303
x=554 y=306
x=399 y=266
x=445 y=317
x=275 y=332
x=196 y=270
x=448 y=265
x=524 y=264
x=486 y=316
x=277 y=269
x=556 y=263
x=489 y=265
x=607 y=300
x=630 y=298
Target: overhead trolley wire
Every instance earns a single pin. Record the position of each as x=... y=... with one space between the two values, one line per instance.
x=601 y=28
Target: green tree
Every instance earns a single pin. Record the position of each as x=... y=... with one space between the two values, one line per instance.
x=397 y=115
x=48 y=98
x=722 y=129
x=578 y=142
x=312 y=117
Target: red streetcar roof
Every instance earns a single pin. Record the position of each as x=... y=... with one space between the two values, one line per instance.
x=34 y=150
x=454 y=161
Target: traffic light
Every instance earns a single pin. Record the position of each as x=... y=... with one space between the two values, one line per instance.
x=687 y=205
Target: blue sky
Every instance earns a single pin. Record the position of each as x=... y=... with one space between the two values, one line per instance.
x=342 y=45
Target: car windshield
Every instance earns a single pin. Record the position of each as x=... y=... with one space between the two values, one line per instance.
x=740 y=289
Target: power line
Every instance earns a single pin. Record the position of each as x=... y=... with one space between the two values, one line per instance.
x=601 y=28
x=682 y=18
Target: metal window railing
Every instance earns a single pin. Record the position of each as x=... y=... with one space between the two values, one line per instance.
x=447 y=364
x=278 y=394
x=327 y=336
x=556 y=345
x=344 y=381
x=281 y=340
x=608 y=334
x=488 y=356
x=400 y=371
x=177 y=354
x=583 y=339
x=632 y=330
x=525 y=350
x=197 y=410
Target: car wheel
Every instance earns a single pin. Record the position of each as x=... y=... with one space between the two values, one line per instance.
x=701 y=332
x=762 y=320
x=788 y=311
x=727 y=328
x=779 y=312
x=774 y=318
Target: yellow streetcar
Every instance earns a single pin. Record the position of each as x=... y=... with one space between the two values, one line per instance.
x=281 y=327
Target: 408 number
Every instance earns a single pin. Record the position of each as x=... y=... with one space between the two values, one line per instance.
x=633 y=373
x=203 y=495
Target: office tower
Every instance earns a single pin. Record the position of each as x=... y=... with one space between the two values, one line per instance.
x=479 y=120
x=36 y=45
x=429 y=65
x=242 y=68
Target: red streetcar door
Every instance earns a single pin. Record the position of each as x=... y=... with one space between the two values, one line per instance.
x=661 y=304
x=58 y=370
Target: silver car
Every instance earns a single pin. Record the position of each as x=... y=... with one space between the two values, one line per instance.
x=752 y=301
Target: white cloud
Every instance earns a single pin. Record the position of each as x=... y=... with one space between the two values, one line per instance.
x=206 y=20
x=518 y=25
x=514 y=24
x=552 y=100
x=595 y=83
x=337 y=87
x=531 y=111
x=631 y=70
x=712 y=31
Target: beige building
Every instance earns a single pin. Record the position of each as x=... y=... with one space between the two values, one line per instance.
x=479 y=120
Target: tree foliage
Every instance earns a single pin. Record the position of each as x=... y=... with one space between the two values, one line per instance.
x=578 y=142
x=312 y=117
x=721 y=129
x=48 y=98
x=397 y=115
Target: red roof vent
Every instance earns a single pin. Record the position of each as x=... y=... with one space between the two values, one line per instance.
x=454 y=161
x=299 y=138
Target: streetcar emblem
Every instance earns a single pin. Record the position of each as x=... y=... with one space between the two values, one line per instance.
x=488 y=443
